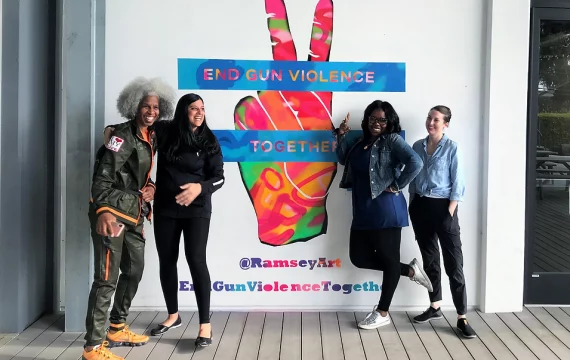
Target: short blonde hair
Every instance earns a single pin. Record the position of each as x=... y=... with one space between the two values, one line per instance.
x=130 y=98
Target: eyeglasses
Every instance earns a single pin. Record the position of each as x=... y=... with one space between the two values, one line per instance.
x=372 y=120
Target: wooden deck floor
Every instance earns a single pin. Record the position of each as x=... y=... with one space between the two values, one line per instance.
x=535 y=333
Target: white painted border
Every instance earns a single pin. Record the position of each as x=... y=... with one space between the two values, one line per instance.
x=504 y=167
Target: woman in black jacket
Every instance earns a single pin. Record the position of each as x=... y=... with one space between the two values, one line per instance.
x=189 y=170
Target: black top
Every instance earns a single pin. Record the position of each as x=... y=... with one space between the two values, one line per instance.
x=387 y=210
x=194 y=166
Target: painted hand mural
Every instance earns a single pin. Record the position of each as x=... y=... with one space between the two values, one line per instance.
x=290 y=198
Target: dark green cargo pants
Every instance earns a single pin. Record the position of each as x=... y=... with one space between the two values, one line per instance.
x=124 y=253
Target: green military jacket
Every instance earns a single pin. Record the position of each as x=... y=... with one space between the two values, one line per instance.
x=122 y=169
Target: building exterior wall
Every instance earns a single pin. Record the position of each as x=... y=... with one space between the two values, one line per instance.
x=462 y=55
x=26 y=150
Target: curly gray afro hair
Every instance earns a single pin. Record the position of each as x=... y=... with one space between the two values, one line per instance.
x=130 y=98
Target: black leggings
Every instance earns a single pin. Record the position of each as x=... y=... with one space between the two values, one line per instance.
x=167 y=234
x=380 y=250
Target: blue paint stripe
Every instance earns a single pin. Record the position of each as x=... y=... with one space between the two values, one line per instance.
x=220 y=74
x=279 y=146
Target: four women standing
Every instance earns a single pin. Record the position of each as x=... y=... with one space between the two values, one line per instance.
x=377 y=166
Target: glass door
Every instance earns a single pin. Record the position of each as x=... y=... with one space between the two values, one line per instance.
x=547 y=270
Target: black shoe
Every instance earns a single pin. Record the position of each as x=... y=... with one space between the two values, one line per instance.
x=161 y=329
x=204 y=341
x=465 y=329
x=428 y=315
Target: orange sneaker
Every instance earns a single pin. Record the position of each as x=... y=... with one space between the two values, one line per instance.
x=100 y=353
x=125 y=337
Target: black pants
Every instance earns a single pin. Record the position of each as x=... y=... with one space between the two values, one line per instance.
x=379 y=250
x=118 y=268
x=167 y=234
x=431 y=220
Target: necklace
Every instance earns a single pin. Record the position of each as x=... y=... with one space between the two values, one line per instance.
x=370 y=142
x=368 y=145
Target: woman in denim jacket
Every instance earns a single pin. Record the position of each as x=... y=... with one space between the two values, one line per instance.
x=373 y=170
x=434 y=194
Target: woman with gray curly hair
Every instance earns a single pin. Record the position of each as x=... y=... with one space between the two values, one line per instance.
x=120 y=200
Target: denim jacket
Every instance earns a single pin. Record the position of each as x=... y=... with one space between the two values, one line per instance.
x=442 y=176
x=390 y=152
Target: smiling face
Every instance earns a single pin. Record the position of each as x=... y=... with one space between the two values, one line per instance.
x=435 y=123
x=196 y=114
x=377 y=122
x=148 y=111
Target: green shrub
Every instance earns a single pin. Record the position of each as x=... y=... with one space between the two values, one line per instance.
x=555 y=130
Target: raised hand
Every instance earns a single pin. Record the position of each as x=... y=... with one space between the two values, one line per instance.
x=344 y=128
x=290 y=198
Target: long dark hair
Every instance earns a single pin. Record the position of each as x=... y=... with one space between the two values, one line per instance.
x=393 y=123
x=180 y=133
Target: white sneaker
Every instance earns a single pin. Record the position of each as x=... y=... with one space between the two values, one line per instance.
x=374 y=320
x=420 y=277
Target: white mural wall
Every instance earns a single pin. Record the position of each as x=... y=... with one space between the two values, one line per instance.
x=441 y=46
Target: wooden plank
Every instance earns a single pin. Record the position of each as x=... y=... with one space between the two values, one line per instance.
x=55 y=349
x=330 y=333
x=40 y=343
x=6 y=338
x=142 y=352
x=430 y=339
x=291 y=337
x=476 y=347
x=541 y=332
x=493 y=343
x=566 y=309
x=186 y=346
x=535 y=333
x=167 y=342
x=515 y=345
x=449 y=338
x=27 y=336
x=229 y=343
x=531 y=341
x=74 y=350
x=551 y=324
x=271 y=337
x=371 y=342
x=219 y=321
x=251 y=338
x=311 y=347
x=141 y=325
x=392 y=343
x=351 y=341
x=560 y=315
x=414 y=346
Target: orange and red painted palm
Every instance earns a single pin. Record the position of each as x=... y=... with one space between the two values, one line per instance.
x=290 y=198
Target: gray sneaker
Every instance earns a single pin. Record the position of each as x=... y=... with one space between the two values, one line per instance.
x=374 y=320
x=420 y=277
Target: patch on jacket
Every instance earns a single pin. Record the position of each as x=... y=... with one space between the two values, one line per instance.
x=115 y=143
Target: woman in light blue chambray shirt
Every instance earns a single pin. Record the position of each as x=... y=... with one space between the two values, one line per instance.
x=434 y=194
